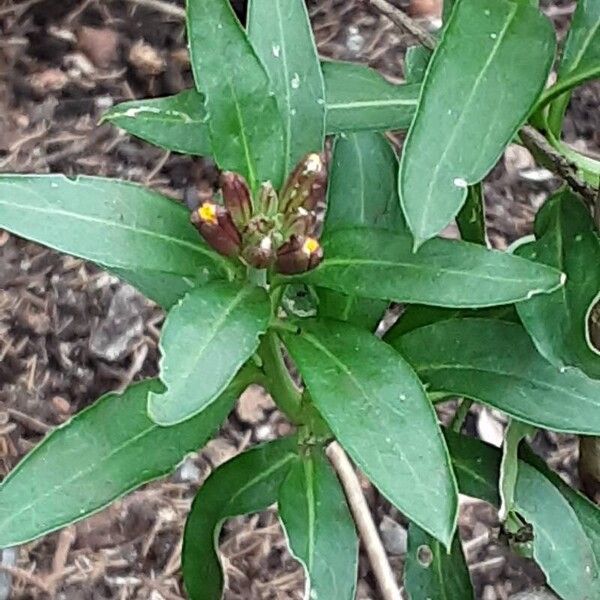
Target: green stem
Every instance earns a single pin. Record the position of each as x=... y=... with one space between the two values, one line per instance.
x=257 y=277
x=279 y=382
x=461 y=414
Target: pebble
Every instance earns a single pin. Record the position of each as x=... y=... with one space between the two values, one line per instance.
x=393 y=536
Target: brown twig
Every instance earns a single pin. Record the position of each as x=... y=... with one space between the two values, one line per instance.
x=364 y=521
x=401 y=19
x=164 y=7
x=533 y=140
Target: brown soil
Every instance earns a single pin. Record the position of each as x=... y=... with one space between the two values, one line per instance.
x=69 y=332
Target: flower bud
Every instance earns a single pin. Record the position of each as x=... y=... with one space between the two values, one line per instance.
x=306 y=186
x=216 y=226
x=267 y=199
x=298 y=255
x=261 y=255
x=301 y=223
x=237 y=198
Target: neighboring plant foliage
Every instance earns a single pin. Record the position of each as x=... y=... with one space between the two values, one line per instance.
x=254 y=277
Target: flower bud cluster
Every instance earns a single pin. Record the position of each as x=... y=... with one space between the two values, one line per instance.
x=272 y=230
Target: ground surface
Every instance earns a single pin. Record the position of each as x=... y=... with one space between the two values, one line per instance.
x=69 y=332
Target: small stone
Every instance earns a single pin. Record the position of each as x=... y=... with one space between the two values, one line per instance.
x=146 y=59
x=393 y=536
x=49 y=80
x=99 y=44
x=61 y=405
x=489 y=428
x=253 y=405
x=489 y=593
x=218 y=451
x=536 y=594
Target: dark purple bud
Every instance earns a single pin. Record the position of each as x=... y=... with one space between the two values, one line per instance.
x=237 y=198
x=300 y=223
x=298 y=255
x=216 y=226
x=261 y=255
x=306 y=186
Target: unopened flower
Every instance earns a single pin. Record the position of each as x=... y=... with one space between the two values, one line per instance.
x=216 y=226
x=306 y=186
x=298 y=255
x=301 y=222
x=260 y=255
x=237 y=198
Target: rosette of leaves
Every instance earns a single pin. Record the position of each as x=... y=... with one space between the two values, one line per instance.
x=247 y=281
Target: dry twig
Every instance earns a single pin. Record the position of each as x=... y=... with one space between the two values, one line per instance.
x=364 y=521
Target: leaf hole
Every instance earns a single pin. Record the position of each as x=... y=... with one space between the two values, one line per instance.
x=424 y=556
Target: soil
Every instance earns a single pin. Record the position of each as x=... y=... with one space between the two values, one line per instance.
x=69 y=332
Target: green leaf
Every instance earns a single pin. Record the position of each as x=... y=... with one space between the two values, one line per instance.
x=206 y=338
x=514 y=434
x=362 y=189
x=495 y=362
x=362 y=192
x=431 y=572
x=477 y=92
x=379 y=412
x=415 y=63
x=114 y=223
x=560 y=544
x=580 y=60
x=451 y=273
x=282 y=37
x=245 y=125
x=319 y=527
x=175 y=123
x=247 y=483
x=102 y=453
x=471 y=217
x=359 y=99
x=558 y=322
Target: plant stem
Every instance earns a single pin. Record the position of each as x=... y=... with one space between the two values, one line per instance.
x=461 y=414
x=279 y=382
x=364 y=523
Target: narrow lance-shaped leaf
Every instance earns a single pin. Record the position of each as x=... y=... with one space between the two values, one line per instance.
x=98 y=456
x=245 y=124
x=431 y=572
x=484 y=77
x=564 y=553
x=206 y=338
x=559 y=322
x=514 y=434
x=247 y=483
x=111 y=222
x=495 y=362
x=379 y=412
x=455 y=274
x=580 y=60
x=282 y=37
x=362 y=192
x=177 y=123
x=360 y=99
x=319 y=527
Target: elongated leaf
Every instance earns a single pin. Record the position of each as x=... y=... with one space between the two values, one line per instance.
x=558 y=322
x=471 y=217
x=514 y=434
x=378 y=410
x=494 y=362
x=580 y=59
x=362 y=188
x=206 y=338
x=362 y=192
x=360 y=99
x=247 y=483
x=101 y=454
x=319 y=527
x=431 y=572
x=245 y=125
x=560 y=544
x=176 y=123
x=484 y=77
x=415 y=63
x=111 y=222
x=455 y=274
x=281 y=34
